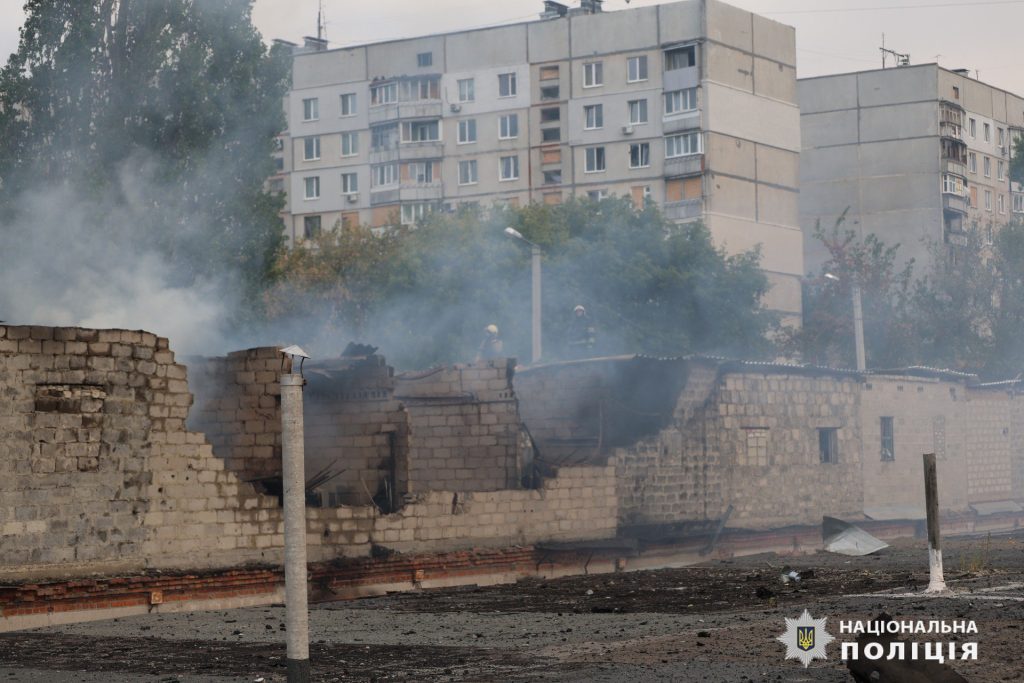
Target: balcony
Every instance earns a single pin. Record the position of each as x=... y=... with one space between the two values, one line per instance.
x=677 y=79
x=418 y=109
x=676 y=167
x=431 y=149
x=383 y=155
x=684 y=210
x=678 y=123
x=384 y=195
x=954 y=202
x=411 y=191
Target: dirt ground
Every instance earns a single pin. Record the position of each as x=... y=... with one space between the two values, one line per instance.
x=713 y=622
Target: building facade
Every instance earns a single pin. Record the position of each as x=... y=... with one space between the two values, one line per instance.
x=920 y=156
x=690 y=104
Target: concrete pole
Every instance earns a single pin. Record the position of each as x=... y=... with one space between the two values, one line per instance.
x=294 y=479
x=535 y=258
x=936 y=582
x=858 y=328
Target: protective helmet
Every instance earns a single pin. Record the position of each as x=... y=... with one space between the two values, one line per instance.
x=579 y=309
x=491 y=329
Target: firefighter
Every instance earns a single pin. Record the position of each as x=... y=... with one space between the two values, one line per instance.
x=581 y=333
x=491 y=346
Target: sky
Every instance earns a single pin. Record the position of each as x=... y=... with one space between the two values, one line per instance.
x=833 y=36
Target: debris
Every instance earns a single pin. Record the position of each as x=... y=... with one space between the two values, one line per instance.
x=795 y=576
x=846 y=539
x=764 y=593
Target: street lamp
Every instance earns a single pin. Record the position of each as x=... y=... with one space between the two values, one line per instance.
x=535 y=262
x=858 y=321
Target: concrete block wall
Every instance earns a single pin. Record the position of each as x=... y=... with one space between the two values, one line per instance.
x=464 y=428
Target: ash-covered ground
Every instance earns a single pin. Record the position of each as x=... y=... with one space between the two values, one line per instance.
x=716 y=622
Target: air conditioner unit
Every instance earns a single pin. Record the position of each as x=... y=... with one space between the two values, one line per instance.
x=352 y=198
x=627 y=130
x=456 y=108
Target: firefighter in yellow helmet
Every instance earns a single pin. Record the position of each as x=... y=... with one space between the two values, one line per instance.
x=491 y=346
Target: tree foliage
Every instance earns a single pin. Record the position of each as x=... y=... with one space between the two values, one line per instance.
x=425 y=294
x=167 y=108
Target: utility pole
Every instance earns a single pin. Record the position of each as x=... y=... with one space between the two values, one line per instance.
x=858 y=328
x=936 y=581
x=535 y=259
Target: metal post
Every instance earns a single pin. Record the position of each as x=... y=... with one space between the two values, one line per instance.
x=858 y=328
x=294 y=479
x=535 y=258
x=936 y=583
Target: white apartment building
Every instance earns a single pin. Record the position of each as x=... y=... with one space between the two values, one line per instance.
x=689 y=104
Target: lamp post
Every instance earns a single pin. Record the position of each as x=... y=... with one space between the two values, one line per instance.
x=535 y=263
x=858 y=322
x=293 y=478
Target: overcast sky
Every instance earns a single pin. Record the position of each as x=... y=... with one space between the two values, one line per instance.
x=832 y=35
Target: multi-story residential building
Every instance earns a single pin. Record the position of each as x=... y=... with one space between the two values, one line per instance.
x=690 y=104
x=919 y=154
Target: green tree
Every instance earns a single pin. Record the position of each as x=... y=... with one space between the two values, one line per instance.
x=1017 y=160
x=163 y=111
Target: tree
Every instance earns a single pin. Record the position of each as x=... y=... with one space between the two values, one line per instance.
x=827 y=334
x=159 y=112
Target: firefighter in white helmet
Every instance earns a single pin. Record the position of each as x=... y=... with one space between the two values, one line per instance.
x=491 y=346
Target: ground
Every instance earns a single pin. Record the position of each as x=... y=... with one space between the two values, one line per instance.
x=716 y=622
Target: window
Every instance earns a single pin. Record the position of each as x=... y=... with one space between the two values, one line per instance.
x=551 y=156
x=422 y=88
x=467 y=172
x=421 y=131
x=384 y=94
x=312 y=184
x=549 y=92
x=1001 y=136
x=988 y=200
x=972 y=162
x=952 y=184
x=1001 y=201
x=550 y=114
x=593 y=74
x=640 y=155
x=956 y=93
x=988 y=167
x=411 y=213
x=384 y=175
x=349 y=183
x=757 y=447
x=987 y=128
x=680 y=57
x=682 y=145
x=384 y=137
x=679 y=101
x=549 y=73
x=310 y=226
x=594 y=162
x=828 y=445
x=973 y=126
x=467 y=131
x=1018 y=203
x=348 y=104
x=637 y=112
x=508 y=127
x=888 y=447
x=507 y=85
x=278 y=164
x=553 y=177
x=594 y=115
x=1000 y=170
x=509 y=168
x=421 y=172
x=597 y=195
x=636 y=68
x=310 y=109
x=311 y=148
x=550 y=134
x=425 y=59
x=349 y=144
x=467 y=90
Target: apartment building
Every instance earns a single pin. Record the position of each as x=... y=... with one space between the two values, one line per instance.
x=689 y=104
x=919 y=154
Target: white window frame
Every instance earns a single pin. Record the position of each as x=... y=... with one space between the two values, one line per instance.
x=467 y=89
x=1018 y=202
x=641 y=112
x=591 y=157
x=385 y=93
x=593 y=74
x=311 y=188
x=972 y=125
x=986 y=129
x=424 y=59
x=508 y=127
x=674 y=146
x=349 y=183
x=953 y=184
x=411 y=213
x=315 y=155
x=687 y=100
x=351 y=141
x=972 y=162
x=1000 y=169
x=421 y=172
x=514 y=168
x=408 y=127
x=636 y=69
x=1001 y=202
x=466 y=126
x=347 y=103
x=987 y=165
x=311 y=109
x=597 y=195
x=988 y=200
x=507 y=85
x=384 y=175
x=468 y=172
x=643 y=149
x=593 y=116
x=681 y=48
